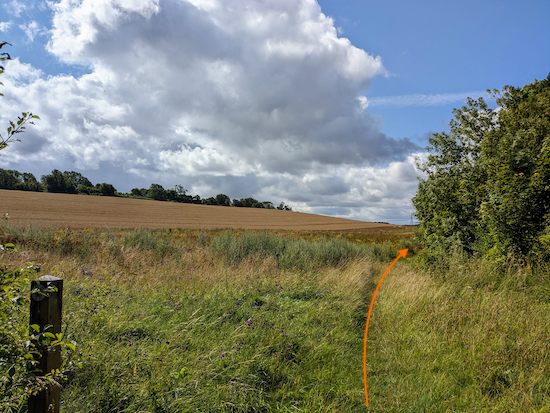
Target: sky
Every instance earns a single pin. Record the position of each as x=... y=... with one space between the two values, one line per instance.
x=323 y=105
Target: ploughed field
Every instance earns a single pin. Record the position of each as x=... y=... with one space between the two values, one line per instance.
x=87 y=211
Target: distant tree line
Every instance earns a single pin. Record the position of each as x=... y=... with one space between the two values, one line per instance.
x=70 y=182
x=179 y=194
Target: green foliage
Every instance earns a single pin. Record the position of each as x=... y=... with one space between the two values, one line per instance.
x=245 y=202
x=21 y=181
x=156 y=192
x=58 y=182
x=223 y=200
x=106 y=189
x=487 y=186
x=284 y=207
x=19 y=347
x=517 y=211
x=26 y=117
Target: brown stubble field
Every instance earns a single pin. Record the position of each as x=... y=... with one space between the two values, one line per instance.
x=86 y=211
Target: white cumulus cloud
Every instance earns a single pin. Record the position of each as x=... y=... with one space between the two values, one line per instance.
x=259 y=98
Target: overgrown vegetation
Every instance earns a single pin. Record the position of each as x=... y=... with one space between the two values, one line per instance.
x=487 y=188
x=229 y=321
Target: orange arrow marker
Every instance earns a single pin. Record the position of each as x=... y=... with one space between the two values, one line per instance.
x=402 y=253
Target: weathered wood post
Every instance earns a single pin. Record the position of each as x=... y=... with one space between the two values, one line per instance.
x=46 y=302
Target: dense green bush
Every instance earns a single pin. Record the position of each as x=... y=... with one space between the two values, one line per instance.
x=487 y=185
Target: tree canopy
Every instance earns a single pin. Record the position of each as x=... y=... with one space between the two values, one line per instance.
x=487 y=184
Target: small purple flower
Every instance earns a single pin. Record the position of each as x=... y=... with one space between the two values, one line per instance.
x=223 y=355
x=193 y=294
x=467 y=346
x=248 y=322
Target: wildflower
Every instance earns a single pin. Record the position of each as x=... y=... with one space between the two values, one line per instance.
x=223 y=355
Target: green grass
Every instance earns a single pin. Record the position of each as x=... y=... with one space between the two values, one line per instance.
x=223 y=321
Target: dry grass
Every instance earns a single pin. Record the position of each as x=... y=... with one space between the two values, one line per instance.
x=85 y=211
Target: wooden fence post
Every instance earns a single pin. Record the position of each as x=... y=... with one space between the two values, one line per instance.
x=46 y=302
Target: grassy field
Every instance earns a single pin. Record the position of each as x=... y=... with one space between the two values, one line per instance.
x=273 y=321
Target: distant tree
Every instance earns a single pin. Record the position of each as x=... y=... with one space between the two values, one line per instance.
x=245 y=202
x=9 y=179
x=180 y=190
x=171 y=195
x=87 y=190
x=196 y=199
x=138 y=192
x=209 y=201
x=30 y=183
x=106 y=189
x=265 y=204
x=156 y=192
x=181 y=194
x=26 y=117
x=284 y=207
x=223 y=200
x=76 y=180
x=57 y=182
x=16 y=180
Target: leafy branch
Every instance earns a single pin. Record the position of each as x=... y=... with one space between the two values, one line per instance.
x=26 y=117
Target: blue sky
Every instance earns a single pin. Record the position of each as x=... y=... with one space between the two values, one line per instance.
x=322 y=105
x=440 y=47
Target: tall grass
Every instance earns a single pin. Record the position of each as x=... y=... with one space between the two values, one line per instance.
x=295 y=252
x=222 y=321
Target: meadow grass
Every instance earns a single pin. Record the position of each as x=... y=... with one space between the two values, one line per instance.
x=229 y=321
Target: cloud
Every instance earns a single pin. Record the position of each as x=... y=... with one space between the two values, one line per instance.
x=31 y=30
x=14 y=7
x=259 y=96
x=5 y=26
x=420 y=99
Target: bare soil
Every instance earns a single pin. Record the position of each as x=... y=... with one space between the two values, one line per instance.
x=87 y=211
